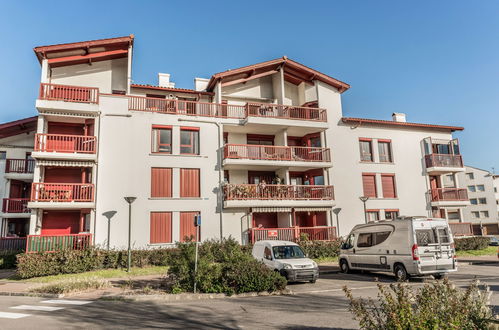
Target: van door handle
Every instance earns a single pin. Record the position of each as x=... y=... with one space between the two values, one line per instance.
x=353 y=250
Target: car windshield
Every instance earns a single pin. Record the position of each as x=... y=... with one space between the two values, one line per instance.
x=288 y=252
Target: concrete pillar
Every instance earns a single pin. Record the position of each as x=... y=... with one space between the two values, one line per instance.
x=176 y=227
x=176 y=183
x=379 y=186
x=460 y=210
x=280 y=97
x=45 y=71
x=129 y=70
x=218 y=92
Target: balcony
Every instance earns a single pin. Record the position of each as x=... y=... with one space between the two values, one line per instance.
x=12 y=243
x=293 y=234
x=62 y=195
x=443 y=163
x=51 y=243
x=16 y=206
x=19 y=169
x=66 y=97
x=238 y=156
x=61 y=146
x=449 y=197
x=269 y=195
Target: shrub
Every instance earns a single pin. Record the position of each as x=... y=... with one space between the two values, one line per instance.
x=434 y=306
x=73 y=285
x=8 y=259
x=321 y=249
x=471 y=243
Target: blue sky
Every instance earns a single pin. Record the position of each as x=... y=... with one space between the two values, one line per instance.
x=437 y=61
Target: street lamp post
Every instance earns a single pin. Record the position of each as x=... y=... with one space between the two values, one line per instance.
x=337 y=212
x=364 y=199
x=109 y=215
x=129 y=200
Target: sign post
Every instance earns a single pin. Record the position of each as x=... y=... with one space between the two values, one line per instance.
x=197 y=224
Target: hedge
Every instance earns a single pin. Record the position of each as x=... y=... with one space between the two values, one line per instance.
x=471 y=243
x=321 y=249
x=8 y=259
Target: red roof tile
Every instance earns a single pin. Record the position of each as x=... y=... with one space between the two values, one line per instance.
x=19 y=126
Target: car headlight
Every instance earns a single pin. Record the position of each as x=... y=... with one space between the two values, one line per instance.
x=314 y=264
x=287 y=266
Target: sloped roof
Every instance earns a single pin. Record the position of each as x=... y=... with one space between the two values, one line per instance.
x=170 y=89
x=360 y=121
x=19 y=126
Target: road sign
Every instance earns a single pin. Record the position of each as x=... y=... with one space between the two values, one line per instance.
x=197 y=220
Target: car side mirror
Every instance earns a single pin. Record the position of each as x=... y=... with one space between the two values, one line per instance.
x=345 y=246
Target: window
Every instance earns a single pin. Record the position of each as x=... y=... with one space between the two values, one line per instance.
x=369 y=184
x=474 y=201
x=480 y=187
x=453 y=215
x=385 y=151
x=366 y=154
x=484 y=214
x=267 y=254
x=161 y=182
x=189 y=182
x=372 y=215
x=288 y=252
x=443 y=235
x=449 y=181
x=482 y=200
x=365 y=240
x=388 y=185
x=3 y=155
x=391 y=214
x=187 y=228
x=470 y=176
x=162 y=139
x=160 y=227
x=471 y=188
x=189 y=140
x=475 y=214
x=381 y=237
x=425 y=237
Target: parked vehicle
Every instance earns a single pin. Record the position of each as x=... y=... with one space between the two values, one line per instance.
x=408 y=246
x=493 y=241
x=288 y=259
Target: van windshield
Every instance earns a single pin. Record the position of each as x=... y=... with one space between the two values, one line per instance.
x=288 y=252
x=425 y=237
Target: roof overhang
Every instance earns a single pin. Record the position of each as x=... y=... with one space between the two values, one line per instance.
x=17 y=127
x=294 y=72
x=85 y=51
x=376 y=122
x=170 y=89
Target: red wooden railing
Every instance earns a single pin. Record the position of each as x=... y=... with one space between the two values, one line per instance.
x=286 y=112
x=19 y=166
x=461 y=228
x=293 y=233
x=51 y=243
x=15 y=205
x=261 y=152
x=62 y=192
x=448 y=194
x=69 y=93
x=65 y=143
x=443 y=160
x=12 y=243
x=277 y=192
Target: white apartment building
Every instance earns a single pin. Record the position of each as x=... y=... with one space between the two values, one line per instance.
x=261 y=151
x=482 y=211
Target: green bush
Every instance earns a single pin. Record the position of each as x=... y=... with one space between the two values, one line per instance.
x=437 y=305
x=73 y=285
x=223 y=267
x=471 y=243
x=321 y=249
x=78 y=261
x=8 y=259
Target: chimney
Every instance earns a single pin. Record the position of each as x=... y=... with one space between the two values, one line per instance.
x=164 y=80
x=200 y=84
x=399 y=117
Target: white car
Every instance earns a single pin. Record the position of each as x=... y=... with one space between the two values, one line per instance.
x=408 y=246
x=288 y=259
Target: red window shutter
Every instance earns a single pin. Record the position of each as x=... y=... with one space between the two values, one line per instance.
x=189 y=182
x=161 y=182
x=369 y=183
x=388 y=183
x=161 y=227
x=187 y=228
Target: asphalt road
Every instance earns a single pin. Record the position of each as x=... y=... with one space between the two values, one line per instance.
x=314 y=306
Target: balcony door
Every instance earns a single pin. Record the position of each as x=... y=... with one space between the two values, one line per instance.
x=256 y=177
x=265 y=220
x=60 y=222
x=19 y=189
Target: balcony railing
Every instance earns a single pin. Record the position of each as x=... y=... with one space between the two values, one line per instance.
x=293 y=233
x=65 y=143
x=12 y=243
x=277 y=192
x=192 y=108
x=20 y=166
x=15 y=205
x=461 y=228
x=51 y=243
x=261 y=152
x=443 y=160
x=67 y=93
x=62 y=192
x=448 y=194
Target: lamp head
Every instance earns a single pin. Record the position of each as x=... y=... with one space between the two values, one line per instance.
x=130 y=200
x=337 y=210
x=364 y=198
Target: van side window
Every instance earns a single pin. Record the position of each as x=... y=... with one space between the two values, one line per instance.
x=443 y=235
x=365 y=240
x=381 y=237
x=267 y=254
x=425 y=237
x=349 y=242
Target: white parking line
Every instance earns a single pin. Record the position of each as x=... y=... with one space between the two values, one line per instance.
x=6 y=315
x=37 y=308
x=67 y=302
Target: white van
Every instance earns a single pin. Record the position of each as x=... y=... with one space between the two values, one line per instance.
x=288 y=259
x=408 y=246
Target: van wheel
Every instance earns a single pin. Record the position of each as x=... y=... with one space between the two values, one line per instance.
x=439 y=276
x=344 y=266
x=400 y=272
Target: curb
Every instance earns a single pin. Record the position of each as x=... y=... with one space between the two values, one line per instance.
x=478 y=262
x=31 y=294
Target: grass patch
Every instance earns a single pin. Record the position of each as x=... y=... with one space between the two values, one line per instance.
x=72 y=285
x=324 y=260
x=489 y=251
x=98 y=274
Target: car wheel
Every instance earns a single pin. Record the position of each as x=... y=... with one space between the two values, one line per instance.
x=313 y=281
x=400 y=273
x=439 y=276
x=344 y=266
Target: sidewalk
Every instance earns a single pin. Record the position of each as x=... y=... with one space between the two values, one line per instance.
x=479 y=260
